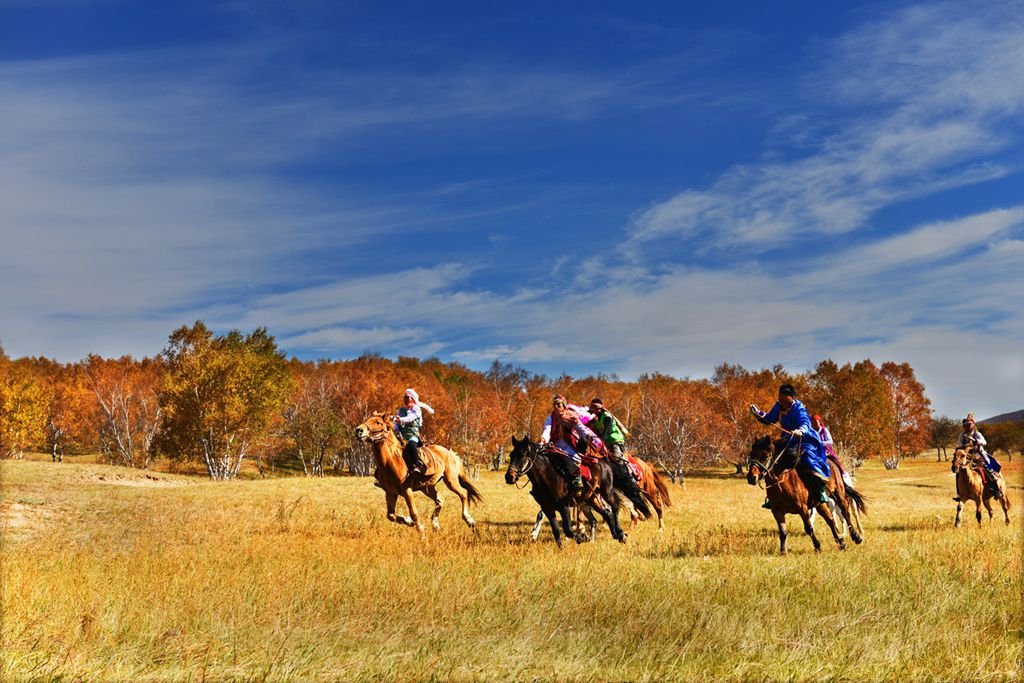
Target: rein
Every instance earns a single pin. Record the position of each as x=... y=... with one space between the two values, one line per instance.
x=530 y=460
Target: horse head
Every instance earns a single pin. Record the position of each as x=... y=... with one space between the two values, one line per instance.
x=960 y=459
x=520 y=460
x=757 y=461
x=374 y=428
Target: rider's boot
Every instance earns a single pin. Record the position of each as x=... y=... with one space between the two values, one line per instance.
x=576 y=485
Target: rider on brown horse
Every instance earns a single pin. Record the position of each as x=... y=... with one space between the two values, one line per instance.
x=804 y=442
x=972 y=440
x=408 y=423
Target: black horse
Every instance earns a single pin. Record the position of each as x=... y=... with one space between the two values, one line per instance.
x=551 y=489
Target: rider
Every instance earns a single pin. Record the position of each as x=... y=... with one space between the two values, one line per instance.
x=407 y=424
x=971 y=439
x=564 y=429
x=610 y=431
x=824 y=434
x=812 y=465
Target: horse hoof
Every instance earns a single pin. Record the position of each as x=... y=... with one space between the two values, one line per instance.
x=858 y=539
x=842 y=546
x=580 y=539
x=623 y=538
x=817 y=548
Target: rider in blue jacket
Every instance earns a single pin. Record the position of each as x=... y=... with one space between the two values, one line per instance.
x=791 y=415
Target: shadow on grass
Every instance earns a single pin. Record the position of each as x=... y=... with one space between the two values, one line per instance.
x=915 y=525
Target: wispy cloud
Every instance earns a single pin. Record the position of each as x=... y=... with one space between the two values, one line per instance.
x=917 y=102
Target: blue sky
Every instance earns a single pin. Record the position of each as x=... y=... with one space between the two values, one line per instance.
x=580 y=187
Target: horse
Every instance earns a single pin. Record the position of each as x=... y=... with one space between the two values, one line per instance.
x=969 y=486
x=551 y=490
x=775 y=465
x=655 y=490
x=392 y=474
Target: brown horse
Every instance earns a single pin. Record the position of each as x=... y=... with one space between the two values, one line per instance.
x=969 y=486
x=776 y=466
x=393 y=475
x=551 y=490
x=655 y=490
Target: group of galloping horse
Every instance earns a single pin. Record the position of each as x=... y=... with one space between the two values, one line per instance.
x=769 y=464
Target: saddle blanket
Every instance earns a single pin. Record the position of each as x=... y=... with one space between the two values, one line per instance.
x=635 y=469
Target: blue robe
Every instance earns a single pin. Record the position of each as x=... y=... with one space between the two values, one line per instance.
x=812 y=451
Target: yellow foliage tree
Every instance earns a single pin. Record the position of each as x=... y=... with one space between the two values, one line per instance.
x=219 y=395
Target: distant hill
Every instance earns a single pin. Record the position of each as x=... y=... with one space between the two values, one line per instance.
x=1005 y=417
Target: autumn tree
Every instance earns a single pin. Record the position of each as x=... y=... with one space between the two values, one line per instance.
x=126 y=391
x=734 y=390
x=312 y=419
x=219 y=394
x=73 y=417
x=943 y=434
x=23 y=406
x=855 y=403
x=911 y=409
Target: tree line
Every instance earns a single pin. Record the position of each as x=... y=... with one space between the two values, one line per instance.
x=220 y=400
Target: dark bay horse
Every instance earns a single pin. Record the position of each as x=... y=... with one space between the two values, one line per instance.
x=969 y=486
x=551 y=490
x=776 y=466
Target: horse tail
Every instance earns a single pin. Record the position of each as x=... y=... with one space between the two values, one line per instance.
x=857 y=497
x=659 y=483
x=624 y=482
x=472 y=492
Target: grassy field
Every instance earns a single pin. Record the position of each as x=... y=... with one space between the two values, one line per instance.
x=113 y=574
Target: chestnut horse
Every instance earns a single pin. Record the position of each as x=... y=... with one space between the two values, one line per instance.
x=776 y=466
x=392 y=474
x=969 y=486
x=551 y=490
x=655 y=490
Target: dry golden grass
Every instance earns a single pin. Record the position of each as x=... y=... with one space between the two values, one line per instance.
x=295 y=579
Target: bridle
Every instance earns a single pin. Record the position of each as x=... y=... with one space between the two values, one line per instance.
x=378 y=435
x=530 y=459
x=764 y=469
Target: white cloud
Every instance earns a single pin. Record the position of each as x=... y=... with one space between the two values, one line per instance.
x=921 y=98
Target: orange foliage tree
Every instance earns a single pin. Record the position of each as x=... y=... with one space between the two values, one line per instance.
x=126 y=391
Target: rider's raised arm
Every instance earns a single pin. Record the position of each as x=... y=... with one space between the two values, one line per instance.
x=771 y=417
x=545 y=436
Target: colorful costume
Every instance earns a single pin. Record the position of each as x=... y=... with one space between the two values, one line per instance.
x=408 y=422
x=564 y=428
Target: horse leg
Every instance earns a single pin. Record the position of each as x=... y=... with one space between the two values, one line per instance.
x=588 y=512
x=988 y=506
x=809 y=528
x=1006 y=506
x=844 y=505
x=414 y=517
x=856 y=521
x=959 y=509
x=634 y=516
x=567 y=525
x=977 y=510
x=391 y=499
x=780 y=519
x=536 y=527
x=434 y=495
x=826 y=514
x=606 y=512
x=449 y=481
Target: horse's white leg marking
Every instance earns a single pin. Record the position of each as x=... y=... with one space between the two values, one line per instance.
x=536 y=527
